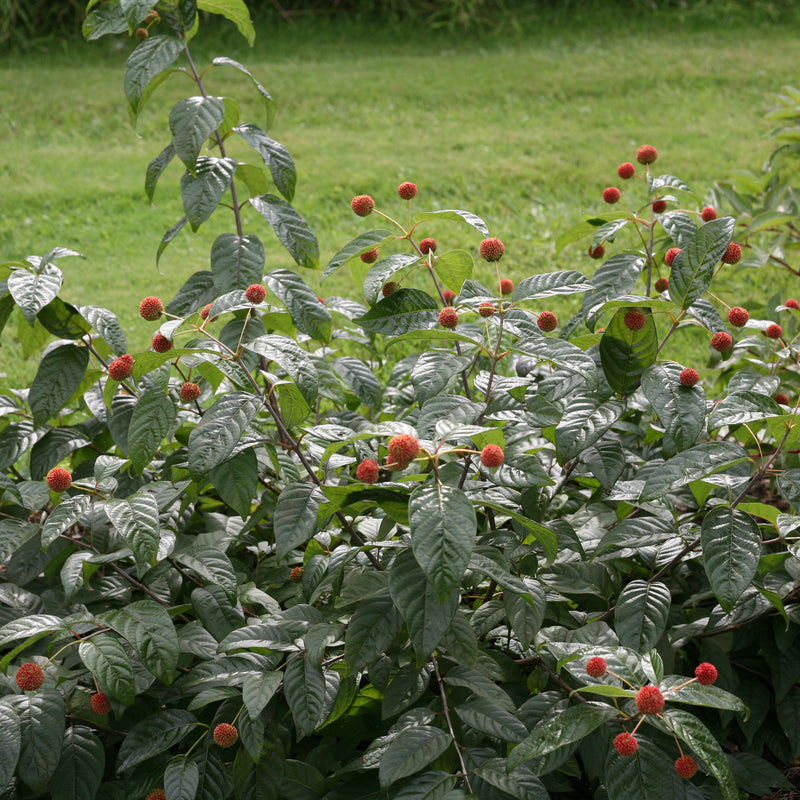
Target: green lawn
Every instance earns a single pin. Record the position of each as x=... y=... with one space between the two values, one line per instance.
x=524 y=127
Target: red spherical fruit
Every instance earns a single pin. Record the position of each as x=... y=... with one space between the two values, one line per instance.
x=428 y=246
x=225 y=735
x=597 y=252
x=626 y=170
x=705 y=673
x=686 y=767
x=402 y=449
x=722 y=341
x=296 y=574
x=190 y=392
x=791 y=303
x=659 y=206
x=151 y=308
x=646 y=154
x=100 y=703
x=738 y=316
x=370 y=257
x=407 y=190
x=449 y=295
x=611 y=195
x=774 y=331
x=506 y=286
x=625 y=744
x=59 y=479
x=547 y=321
x=596 y=666
x=492 y=249
x=204 y=311
x=662 y=284
x=30 y=677
x=649 y=700
x=708 y=213
x=634 y=319
x=362 y=205
x=782 y=399
x=670 y=256
x=492 y=456
x=448 y=317
x=390 y=288
x=367 y=471
x=486 y=309
x=689 y=377
x=121 y=368
x=733 y=254
x=142 y=34
x=157 y=794
x=255 y=293
x=161 y=344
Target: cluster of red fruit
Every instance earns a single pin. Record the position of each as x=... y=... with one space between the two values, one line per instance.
x=404 y=448
x=650 y=700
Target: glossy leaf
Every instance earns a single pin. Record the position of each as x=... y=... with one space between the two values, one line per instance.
x=308 y=314
x=641 y=614
x=234 y=10
x=147 y=68
x=680 y=409
x=583 y=424
x=105 y=656
x=192 y=121
x=41 y=727
x=153 y=735
x=203 y=191
x=290 y=357
x=647 y=774
x=550 y=284
x=136 y=518
x=152 y=419
x=296 y=516
x=370 y=632
x=290 y=228
x=236 y=261
x=625 y=353
x=181 y=778
x=10 y=743
x=59 y=375
x=410 y=751
x=304 y=689
x=274 y=155
x=456 y=216
x=81 y=766
x=401 y=312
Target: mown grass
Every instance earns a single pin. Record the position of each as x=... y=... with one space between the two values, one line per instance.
x=524 y=126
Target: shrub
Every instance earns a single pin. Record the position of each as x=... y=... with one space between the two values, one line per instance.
x=350 y=569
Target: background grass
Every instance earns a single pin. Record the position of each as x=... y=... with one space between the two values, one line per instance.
x=523 y=124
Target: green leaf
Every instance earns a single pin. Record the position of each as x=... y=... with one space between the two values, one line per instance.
x=433 y=370
x=214 y=783
x=614 y=278
x=53 y=447
x=269 y=103
x=154 y=735
x=587 y=227
x=211 y=563
x=10 y=743
x=308 y=314
x=456 y=216
x=486 y=716
x=525 y=613
x=134 y=11
x=214 y=438
x=59 y=375
x=192 y=121
x=380 y=273
x=690 y=730
x=169 y=236
x=202 y=192
x=410 y=751
x=155 y=168
x=625 y=354
x=550 y=284
x=41 y=726
x=107 y=659
x=647 y=774
x=565 y=727
x=741 y=408
x=401 y=312
x=234 y=10
x=521 y=783
x=681 y=409
x=427 y=619
x=153 y=417
x=583 y=423
x=258 y=690
x=107 y=325
x=641 y=614
x=81 y=767
x=181 y=778
x=546 y=538
x=63 y=320
x=102 y=20
x=136 y=518
x=361 y=244
x=694 y=266
x=430 y=785
x=288 y=355
x=236 y=481
x=454 y=267
x=274 y=155
x=148 y=627
x=731 y=544
x=295 y=520
x=696 y=695
x=147 y=68
x=32 y=291
x=304 y=690
x=361 y=380
x=691 y=465
x=370 y=632
x=236 y=261
x=443 y=528
x=290 y=228
x=561 y=353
